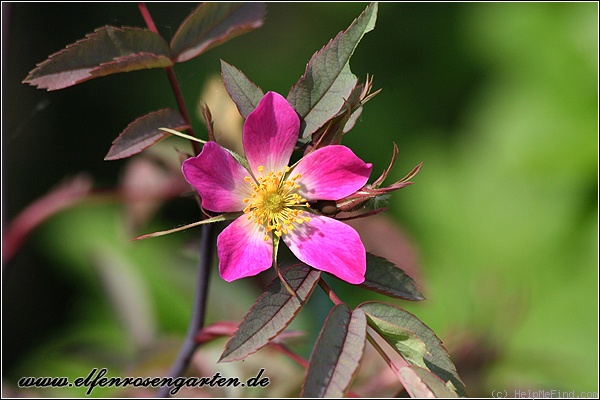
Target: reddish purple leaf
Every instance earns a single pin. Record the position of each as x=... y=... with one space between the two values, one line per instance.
x=144 y=132
x=227 y=328
x=212 y=24
x=384 y=277
x=337 y=353
x=108 y=50
x=215 y=330
x=273 y=311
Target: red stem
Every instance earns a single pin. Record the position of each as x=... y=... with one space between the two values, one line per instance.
x=388 y=360
x=299 y=360
x=147 y=18
x=336 y=300
x=181 y=105
x=172 y=80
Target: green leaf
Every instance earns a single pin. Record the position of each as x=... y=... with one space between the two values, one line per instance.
x=332 y=131
x=327 y=82
x=384 y=277
x=337 y=353
x=108 y=50
x=390 y=321
x=212 y=24
x=421 y=383
x=406 y=342
x=144 y=132
x=273 y=311
x=245 y=94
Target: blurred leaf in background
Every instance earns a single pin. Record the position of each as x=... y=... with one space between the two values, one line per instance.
x=500 y=102
x=506 y=214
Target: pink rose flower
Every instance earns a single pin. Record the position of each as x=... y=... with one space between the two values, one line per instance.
x=274 y=198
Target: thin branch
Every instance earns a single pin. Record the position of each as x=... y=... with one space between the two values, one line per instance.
x=388 y=360
x=181 y=105
x=197 y=320
x=147 y=17
x=172 y=79
x=336 y=300
x=290 y=354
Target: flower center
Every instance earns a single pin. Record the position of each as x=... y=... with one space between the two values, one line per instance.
x=275 y=203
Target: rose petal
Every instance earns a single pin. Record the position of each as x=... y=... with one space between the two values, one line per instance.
x=270 y=133
x=331 y=173
x=218 y=178
x=329 y=245
x=242 y=250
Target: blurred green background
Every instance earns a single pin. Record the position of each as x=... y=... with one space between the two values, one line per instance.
x=499 y=100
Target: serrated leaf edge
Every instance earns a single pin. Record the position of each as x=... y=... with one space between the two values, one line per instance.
x=158 y=138
x=29 y=78
x=440 y=342
x=227 y=358
x=351 y=378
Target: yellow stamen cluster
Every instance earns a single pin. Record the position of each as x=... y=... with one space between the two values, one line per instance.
x=275 y=203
